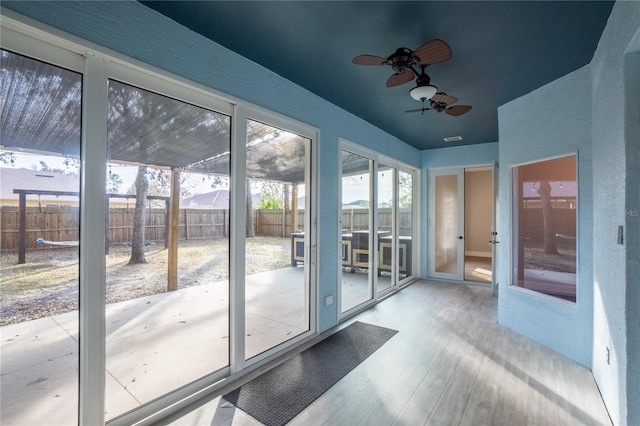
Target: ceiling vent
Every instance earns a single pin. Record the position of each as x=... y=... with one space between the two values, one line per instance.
x=453 y=139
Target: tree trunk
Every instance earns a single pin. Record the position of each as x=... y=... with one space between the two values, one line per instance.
x=287 y=203
x=547 y=218
x=139 y=217
x=251 y=232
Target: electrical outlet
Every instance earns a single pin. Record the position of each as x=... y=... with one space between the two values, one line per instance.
x=328 y=300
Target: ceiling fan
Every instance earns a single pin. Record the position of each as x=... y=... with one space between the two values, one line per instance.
x=405 y=62
x=440 y=102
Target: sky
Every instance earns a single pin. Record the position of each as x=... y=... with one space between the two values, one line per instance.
x=354 y=187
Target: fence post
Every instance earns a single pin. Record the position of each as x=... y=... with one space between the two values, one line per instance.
x=186 y=224
x=166 y=223
x=174 y=207
x=22 y=231
x=107 y=220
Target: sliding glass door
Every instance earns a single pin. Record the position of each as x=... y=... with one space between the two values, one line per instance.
x=40 y=174
x=377 y=226
x=356 y=239
x=136 y=271
x=386 y=233
x=167 y=267
x=277 y=242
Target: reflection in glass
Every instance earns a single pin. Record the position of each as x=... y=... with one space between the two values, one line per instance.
x=167 y=265
x=276 y=284
x=544 y=221
x=446 y=224
x=405 y=231
x=386 y=218
x=356 y=210
x=40 y=107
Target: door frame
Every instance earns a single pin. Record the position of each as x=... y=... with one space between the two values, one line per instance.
x=458 y=276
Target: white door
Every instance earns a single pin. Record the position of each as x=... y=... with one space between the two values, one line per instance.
x=494 y=233
x=446 y=223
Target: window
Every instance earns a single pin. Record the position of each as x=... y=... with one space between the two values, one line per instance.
x=167 y=288
x=544 y=227
x=40 y=126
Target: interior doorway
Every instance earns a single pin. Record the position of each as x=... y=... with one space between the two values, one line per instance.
x=462 y=224
x=478 y=223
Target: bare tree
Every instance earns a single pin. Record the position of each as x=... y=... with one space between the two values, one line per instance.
x=139 y=217
x=550 y=246
x=251 y=232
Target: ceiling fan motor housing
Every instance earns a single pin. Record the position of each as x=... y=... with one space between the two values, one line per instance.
x=401 y=60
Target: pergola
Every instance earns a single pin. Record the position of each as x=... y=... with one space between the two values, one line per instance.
x=42 y=110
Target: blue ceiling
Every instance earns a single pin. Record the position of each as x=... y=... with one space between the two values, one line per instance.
x=501 y=51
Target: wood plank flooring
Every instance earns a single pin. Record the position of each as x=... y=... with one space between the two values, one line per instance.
x=450 y=364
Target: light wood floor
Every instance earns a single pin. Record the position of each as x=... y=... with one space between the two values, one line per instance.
x=450 y=364
x=477 y=269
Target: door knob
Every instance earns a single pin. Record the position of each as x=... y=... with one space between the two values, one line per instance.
x=459 y=237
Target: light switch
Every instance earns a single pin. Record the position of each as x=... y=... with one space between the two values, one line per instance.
x=620 y=235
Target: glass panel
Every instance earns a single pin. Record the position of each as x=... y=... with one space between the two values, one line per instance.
x=356 y=264
x=405 y=231
x=276 y=288
x=386 y=218
x=478 y=222
x=40 y=114
x=544 y=225
x=167 y=311
x=446 y=224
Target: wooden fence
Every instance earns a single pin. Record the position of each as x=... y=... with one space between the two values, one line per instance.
x=62 y=223
x=358 y=219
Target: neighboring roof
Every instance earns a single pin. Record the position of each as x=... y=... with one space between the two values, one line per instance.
x=21 y=178
x=218 y=198
x=357 y=204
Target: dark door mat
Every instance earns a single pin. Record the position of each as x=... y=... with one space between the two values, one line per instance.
x=277 y=396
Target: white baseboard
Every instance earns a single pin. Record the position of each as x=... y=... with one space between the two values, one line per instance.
x=478 y=253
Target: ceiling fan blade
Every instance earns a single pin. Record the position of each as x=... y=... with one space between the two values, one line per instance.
x=417 y=110
x=369 y=60
x=458 y=110
x=398 y=79
x=433 y=52
x=443 y=98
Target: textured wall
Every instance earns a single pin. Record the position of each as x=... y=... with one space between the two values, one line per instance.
x=550 y=121
x=455 y=156
x=136 y=31
x=615 y=95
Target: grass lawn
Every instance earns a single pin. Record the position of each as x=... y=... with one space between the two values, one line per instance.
x=48 y=283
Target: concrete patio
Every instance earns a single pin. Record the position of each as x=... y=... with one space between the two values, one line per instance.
x=154 y=344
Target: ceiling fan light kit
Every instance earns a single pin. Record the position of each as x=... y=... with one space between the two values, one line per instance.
x=422 y=93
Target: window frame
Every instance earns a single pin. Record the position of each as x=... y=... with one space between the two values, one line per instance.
x=97 y=65
x=513 y=230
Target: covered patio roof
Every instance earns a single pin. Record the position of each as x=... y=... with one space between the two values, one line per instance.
x=43 y=115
